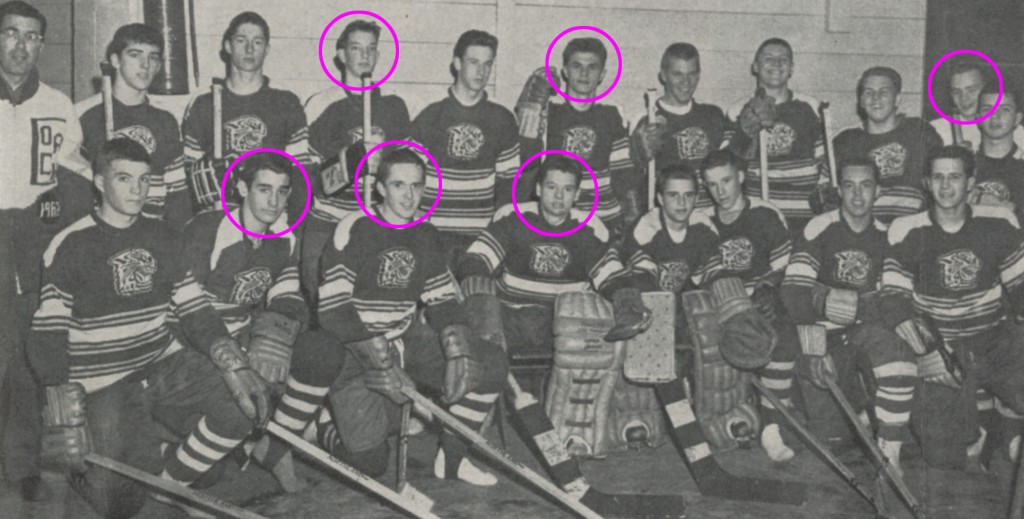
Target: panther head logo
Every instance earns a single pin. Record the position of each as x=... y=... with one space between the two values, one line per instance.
x=245 y=133
x=993 y=190
x=465 y=141
x=396 y=268
x=853 y=267
x=693 y=143
x=891 y=159
x=580 y=140
x=737 y=254
x=133 y=271
x=250 y=286
x=139 y=134
x=549 y=259
x=959 y=269
x=672 y=275
x=780 y=139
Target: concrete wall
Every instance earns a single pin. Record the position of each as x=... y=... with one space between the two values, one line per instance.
x=55 y=62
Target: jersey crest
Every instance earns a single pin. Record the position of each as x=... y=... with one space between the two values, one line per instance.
x=250 y=286
x=245 y=133
x=133 y=271
x=737 y=254
x=580 y=140
x=47 y=138
x=959 y=269
x=396 y=268
x=465 y=141
x=693 y=143
x=853 y=267
x=993 y=190
x=781 y=138
x=549 y=259
x=356 y=134
x=890 y=159
x=139 y=134
x=672 y=275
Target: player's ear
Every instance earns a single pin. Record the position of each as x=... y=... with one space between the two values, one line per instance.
x=457 y=63
x=600 y=77
x=243 y=189
x=661 y=77
x=379 y=187
x=97 y=182
x=970 y=184
x=660 y=198
x=115 y=60
x=565 y=77
x=899 y=97
x=741 y=176
x=536 y=189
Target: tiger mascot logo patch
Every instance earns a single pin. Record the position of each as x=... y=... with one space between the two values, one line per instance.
x=250 y=286
x=139 y=134
x=737 y=254
x=580 y=140
x=693 y=143
x=959 y=269
x=781 y=138
x=672 y=275
x=992 y=192
x=133 y=272
x=396 y=268
x=549 y=259
x=465 y=141
x=853 y=267
x=891 y=159
x=245 y=133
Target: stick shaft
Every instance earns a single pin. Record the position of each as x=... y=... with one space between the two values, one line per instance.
x=367 y=131
x=652 y=110
x=218 y=117
x=958 y=134
x=1017 y=502
x=762 y=148
x=171 y=487
x=348 y=472
x=826 y=120
x=403 y=445
x=108 y=106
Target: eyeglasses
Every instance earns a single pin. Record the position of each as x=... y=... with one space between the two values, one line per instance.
x=13 y=34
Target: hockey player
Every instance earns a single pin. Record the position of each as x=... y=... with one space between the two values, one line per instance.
x=1000 y=163
x=755 y=248
x=374 y=341
x=475 y=142
x=43 y=191
x=965 y=83
x=595 y=132
x=897 y=144
x=796 y=146
x=102 y=345
x=684 y=131
x=958 y=268
x=833 y=279
x=254 y=114
x=136 y=53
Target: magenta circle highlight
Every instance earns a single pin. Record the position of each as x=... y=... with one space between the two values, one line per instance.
x=593 y=207
x=359 y=198
x=224 y=188
x=547 y=64
x=327 y=70
x=999 y=76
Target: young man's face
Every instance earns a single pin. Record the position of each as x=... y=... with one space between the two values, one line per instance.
x=858 y=190
x=879 y=98
x=774 y=66
x=137 y=64
x=403 y=189
x=21 y=39
x=584 y=72
x=965 y=88
x=267 y=197
x=248 y=47
x=949 y=183
x=681 y=78
x=725 y=185
x=1004 y=121
x=557 y=193
x=678 y=199
x=124 y=186
x=359 y=54
x=474 y=67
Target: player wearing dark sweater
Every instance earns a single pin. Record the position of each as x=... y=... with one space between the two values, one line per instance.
x=999 y=161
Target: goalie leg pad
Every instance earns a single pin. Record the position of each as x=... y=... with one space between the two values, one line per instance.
x=583 y=314
x=636 y=417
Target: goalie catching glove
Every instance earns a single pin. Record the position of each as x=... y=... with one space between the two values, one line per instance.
x=383 y=372
x=758 y=113
x=934 y=363
x=748 y=339
x=66 y=438
x=270 y=345
x=631 y=316
x=247 y=387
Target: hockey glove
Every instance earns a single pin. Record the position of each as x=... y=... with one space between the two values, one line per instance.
x=66 y=438
x=270 y=345
x=383 y=372
x=747 y=338
x=462 y=374
x=532 y=103
x=767 y=301
x=824 y=198
x=247 y=387
x=814 y=344
x=631 y=316
x=650 y=137
x=758 y=113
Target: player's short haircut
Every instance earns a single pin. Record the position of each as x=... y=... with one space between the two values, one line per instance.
x=992 y=88
x=264 y=161
x=357 y=26
x=398 y=156
x=719 y=158
x=964 y=66
x=858 y=162
x=134 y=33
x=242 y=19
x=120 y=148
x=560 y=163
x=680 y=50
x=774 y=41
x=18 y=8
x=955 y=152
x=468 y=39
x=886 y=72
x=588 y=45
x=676 y=172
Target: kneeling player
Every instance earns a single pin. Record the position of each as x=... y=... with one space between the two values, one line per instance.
x=374 y=276
x=833 y=279
x=102 y=346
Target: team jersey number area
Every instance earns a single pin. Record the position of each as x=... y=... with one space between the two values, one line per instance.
x=46 y=141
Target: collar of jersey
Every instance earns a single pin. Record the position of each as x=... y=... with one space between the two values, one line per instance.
x=23 y=93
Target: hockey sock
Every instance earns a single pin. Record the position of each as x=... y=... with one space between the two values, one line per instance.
x=894 y=392
x=450 y=462
x=197 y=454
x=297 y=408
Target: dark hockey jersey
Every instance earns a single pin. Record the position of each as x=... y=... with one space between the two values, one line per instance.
x=534 y=268
x=157 y=131
x=963 y=279
x=340 y=125
x=901 y=156
x=373 y=277
x=477 y=149
x=242 y=274
x=830 y=253
x=106 y=299
x=677 y=261
x=796 y=158
x=756 y=246
x=1001 y=179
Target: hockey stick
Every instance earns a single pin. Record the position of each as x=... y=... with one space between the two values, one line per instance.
x=107 y=87
x=172 y=487
x=890 y=472
x=367 y=129
x=818 y=447
x=651 y=172
x=403 y=446
x=958 y=134
x=217 y=90
x=826 y=120
x=414 y=508
x=1017 y=500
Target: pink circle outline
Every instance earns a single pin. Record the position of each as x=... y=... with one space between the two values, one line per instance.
x=547 y=63
x=999 y=76
x=337 y=81
x=593 y=207
x=224 y=188
x=359 y=198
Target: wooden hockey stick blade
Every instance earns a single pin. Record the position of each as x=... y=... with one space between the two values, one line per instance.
x=413 y=508
x=890 y=472
x=499 y=455
x=205 y=500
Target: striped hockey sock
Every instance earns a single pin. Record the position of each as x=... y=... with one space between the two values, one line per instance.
x=197 y=454
x=471 y=410
x=894 y=399
x=296 y=410
x=777 y=376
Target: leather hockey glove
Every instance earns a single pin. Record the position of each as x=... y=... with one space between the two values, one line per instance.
x=631 y=316
x=462 y=374
x=66 y=438
x=484 y=309
x=758 y=113
x=934 y=363
x=767 y=301
x=247 y=387
x=649 y=138
x=814 y=344
x=747 y=338
x=270 y=345
x=532 y=103
x=383 y=373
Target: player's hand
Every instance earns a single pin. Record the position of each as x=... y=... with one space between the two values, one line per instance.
x=651 y=136
x=758 y=113
x=389 y=382
x=270 y=345
x=373 y=161
x=250 y=391
x=631 y=316
x=821 y=368
x=462 y=373
x=935 y=368
x=66 y=438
